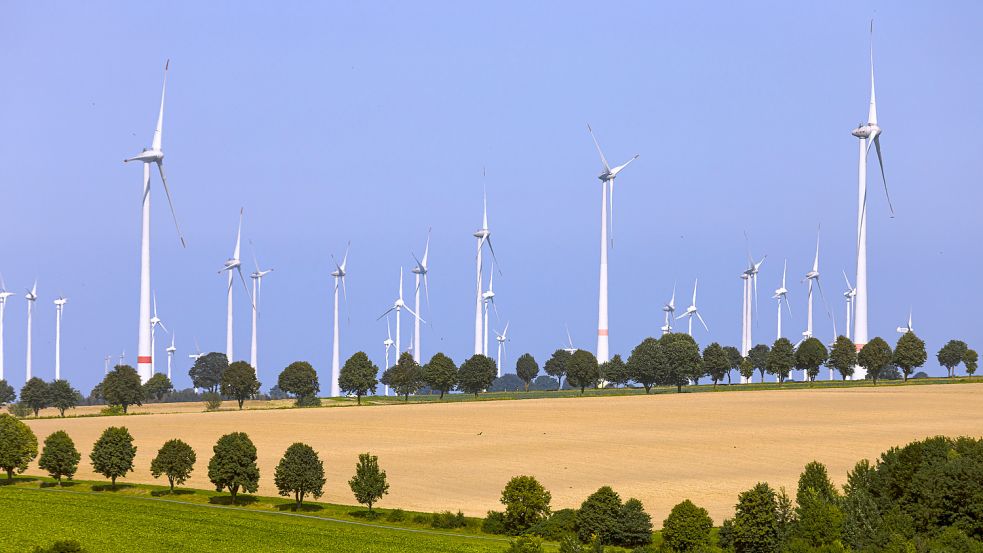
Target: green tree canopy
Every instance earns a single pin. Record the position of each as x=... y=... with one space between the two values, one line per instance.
x=874 y=357
x=157 y=387
x=809 y=356
x=971 y=360
x=746 y=369
x=406 y=376
x=909 y=353
x=781 y=359
x=18 y=445
x=477 y=374
x=299 y=473
x=59 y=457
x=113 y=453
x=358 y=376
x=556 y=366
x=369 y=483
x=526 y=368
x=175 y=459
x=756 y=520
x=441 y=374
x=207 y=371
x=687 y=528
x=646 y=364
x=614 y=371
x=299 y=379
x=949 y=356
x=600 y=515
x=122 y=387
x=716 y=362
x=683 y=361
x=843 y=357
x=233 y=464
x=62 y=396
x=582 y=370
x=816 y=478
x=759 y=359
x=735 y=358
x=526 y=502
x=34 y=394
x=239 y=382
x=7 y=393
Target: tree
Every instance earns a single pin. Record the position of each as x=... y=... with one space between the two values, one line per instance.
x=716 y=362
x=358 y=376
x=646 y=363
x=59 y=456
x=909 y=353
x=556 y=366
x=441 y=373
x=233 y=464
x=300 y=379
x=34 y=394
x=207 y=371
x=818 y=523
x=687 y=528
x=756 y=527
x=843 y=356
x=809 y=356
x=526 y=502
x=600 y=515
x=526 y=368
x=175 y=459
x=7 y=393
x=477 y=374
x=949 y=356
x=300 y=472
x=874 y=357
x=62 y=396
x=18 y=445
x=759 y=359
x=614 y=371
x=239 y=382
x=781 y=359
x=683 y=361
x=157 y=387
x=405 y=377
x=746 y=369
x=636 y=525
x=582 y=370
x=369 y=483
x=112 y=454
x=122 y=387
x=815 y=477
x=970 y=360
x=735 y=357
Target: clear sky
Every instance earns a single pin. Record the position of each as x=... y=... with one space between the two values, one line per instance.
x=371 y=122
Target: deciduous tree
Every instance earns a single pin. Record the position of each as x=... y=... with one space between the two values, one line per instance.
x=122 y=387
x=809 y=356
x=687 y=528
x=369 y=483
x=34 y=394
x=7 y=393
x=406 y=376
x=239 y=382
x=582 y=370
x=526 y=502
x=759 y=359
x=59 y=457
x=175 y=459
x=233 y=464
x=441 y=374
x=300 y=472
x=614 y=371
x=716 y=362
x=556 y=366
x=843 y=356
x=300 y=380
x=875 y=356
x=646 y=364
x=949 y=356
x=112 y=454
x=735 y=358
x=970 y=361
x=781 y=359
x=756 y=525
x=207 y=371
x=157 y=387
x=909 y=353
x=62 y=396
x=526 y=368
x=683 y=361
x=18 y=445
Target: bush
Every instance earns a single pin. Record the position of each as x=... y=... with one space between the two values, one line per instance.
x=526 y=544
x=448 y=520
x=213 y=401
x=396 y=515
x=59 y=456
x=113 y=453
x=421 y=518
x=599 y=515
x=112 y=411
x=20 y=409
x=62 y=546
x=526 y=503
x=308 y=401
x=687 y=528
x=18 y=445
x=559 y=525
x=494 y=523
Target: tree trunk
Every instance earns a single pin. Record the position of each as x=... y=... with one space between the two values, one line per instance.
x=527 y=387
x=648 y=389
x=125 y=406
x=232 y=491
x=114 y=482
x=10 y=474
x=241 y=401
x=679 y=388
x=359 y=397
x=171 y=481
x=441 y=394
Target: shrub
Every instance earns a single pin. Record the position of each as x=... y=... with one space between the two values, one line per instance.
x=300 y=472
x=308 y=401
x=448 y=520
x=725 y=536
x=213 y=401
x=61 y=546
x=526 y=544
x=112 y=411
x=19 y=409
x=18 y=445
x=819 y=522
x=176 y=460
x=59 y=456
x=396 y=515
x=113 y=453
x=494 y=523
x=815 y=477
x=636 y=525
x=233 y=464
x=526 y=503
x=687 y=528
x=421 y=518
x=600 y=515
x=369 y=483
x=559 y=525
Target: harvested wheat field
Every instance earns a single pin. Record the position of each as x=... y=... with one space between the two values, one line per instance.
x=661 y=449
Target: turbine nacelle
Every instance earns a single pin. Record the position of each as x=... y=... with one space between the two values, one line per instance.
x=148 y=155
x=870 y=130
x=5 y=295
x=780 y=293
x=231 y=264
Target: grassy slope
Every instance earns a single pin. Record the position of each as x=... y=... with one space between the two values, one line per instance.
x=133 y=519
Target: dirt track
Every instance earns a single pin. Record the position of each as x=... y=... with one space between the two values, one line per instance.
x=661 y=449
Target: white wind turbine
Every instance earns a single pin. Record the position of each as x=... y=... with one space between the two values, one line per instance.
x=570 y=347
x=692 y=311
x=484 y=237
x=501 y=338
x=750 y=278
x=257 y=278
x=4 y=294
x=59 y=307
x=388 y=342
x=850 y=295
x=154 y=323
x=421 y=270
x=607 y=177
x=670 y=310
x=781 y=294
x=233 y=264
x=812 y=277
x=149 y=156
x=906 y=328
x=107 y=360
x=122 y=357
x=196 y=356
x=170 y=356
x=868 y=134
x=31 y=297
x=339 y=282
x=488 y=298
x=398 y=306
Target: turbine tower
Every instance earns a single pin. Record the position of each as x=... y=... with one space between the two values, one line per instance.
x=233 y=264
x=868 y=134
x=31 y=297
x=692 y=311
x=812 y=277
x=669 y=309
x=339 y=282
x=781 y=294
x=850 y=294
x=257 y=278
x=750 y=278
x=149 y=156
x=501 y=338
x=4 y=294
x=59 y=307
x=607 y=177
x=420 y=270
x=484 y=237
x=388 y=342
x=154 y=323
x=398 y=306
x=170 y=356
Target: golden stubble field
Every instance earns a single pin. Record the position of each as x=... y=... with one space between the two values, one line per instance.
x=662 y=449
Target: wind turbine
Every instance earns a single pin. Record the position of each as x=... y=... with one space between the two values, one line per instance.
x=398 y=306
x=31 y=297
x=388 y=342
x=170 y=355
x=850 y=294
x=570 y=347
x=907 y=328
x=257 y=278
x=781 y=294
x=149 y=156
x=484 y=237
x=607 y=177
x=154 y=323
x=868 y=134
x=4 y=294
x=420 y=270
x=750 y=277
x=196 y=356
x=692 y=310
x=122 y=357
x=488 y=297
x=59 y=307
x=233 y=264
x=106 y=368
x=813 y=278
x=501 y=338
x=339 y=282
x=669 y=309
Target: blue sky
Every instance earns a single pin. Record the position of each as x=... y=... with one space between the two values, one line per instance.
x=371 y=122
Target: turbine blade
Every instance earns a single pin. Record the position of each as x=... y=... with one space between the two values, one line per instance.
x=160 y=117
x=344 y=260
x=604 y=161
x=388 y=311
x=880 y=161
x=494 y=258
x=167 y=192
x=235 y=255
x=426 y=250
x=245 y=287
x=698 y=316
x=411 y=312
